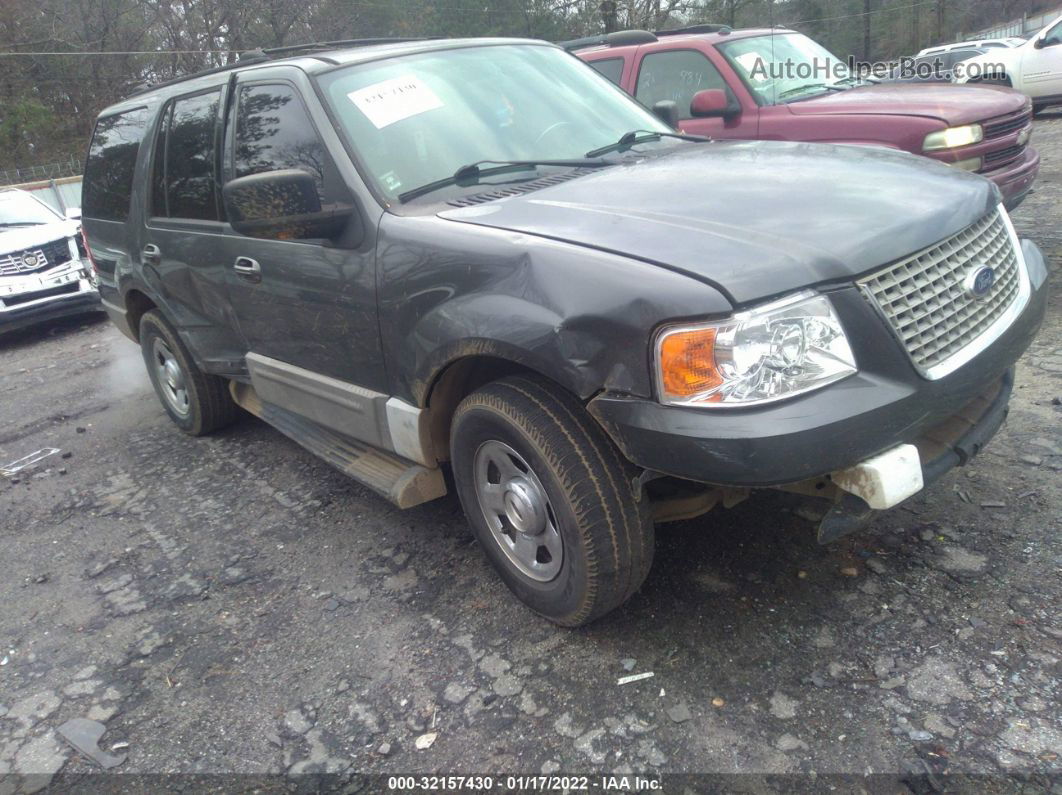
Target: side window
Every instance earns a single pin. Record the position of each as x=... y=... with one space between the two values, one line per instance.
x=158 y=168
x=108 y=180
x=183 y=178
x=274 y=132
x=612 y=68
x=1053 y=36
x=676 y=75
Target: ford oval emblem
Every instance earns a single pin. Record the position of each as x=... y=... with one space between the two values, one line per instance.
x=978 y=282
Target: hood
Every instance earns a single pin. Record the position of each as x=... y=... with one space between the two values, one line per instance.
x=753 y=219
x=23 y=237
x=952 y=104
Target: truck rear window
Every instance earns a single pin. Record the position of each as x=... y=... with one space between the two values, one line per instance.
x=108 y=180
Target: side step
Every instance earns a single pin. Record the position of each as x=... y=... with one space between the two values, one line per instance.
x=402 y=482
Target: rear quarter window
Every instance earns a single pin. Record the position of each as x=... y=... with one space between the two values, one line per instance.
x=612 y=68
x=108 y=180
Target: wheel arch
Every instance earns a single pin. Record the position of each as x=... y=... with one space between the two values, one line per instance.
x=463 y=375
x=137 y=304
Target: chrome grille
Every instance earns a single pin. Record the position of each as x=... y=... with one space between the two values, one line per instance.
x=924 y=298
x=47 y=255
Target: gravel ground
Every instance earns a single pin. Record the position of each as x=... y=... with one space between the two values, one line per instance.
x=233 y=605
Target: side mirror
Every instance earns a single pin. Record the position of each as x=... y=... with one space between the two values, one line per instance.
x=667 y=111
x=1038 y=44
x=73 y=213
x=711 y=102
x=281 y=205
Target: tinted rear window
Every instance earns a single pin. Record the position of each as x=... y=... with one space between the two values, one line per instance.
x=612 y=68
x=108 y=180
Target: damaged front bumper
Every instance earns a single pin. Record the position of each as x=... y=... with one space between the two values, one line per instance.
x=67 y=289
x=861 y=432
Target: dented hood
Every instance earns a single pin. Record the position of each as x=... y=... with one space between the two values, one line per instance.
x=951 y=104
x=753 y=219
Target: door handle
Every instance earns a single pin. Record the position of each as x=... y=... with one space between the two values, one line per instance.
x=247 y=268
x=151 y=253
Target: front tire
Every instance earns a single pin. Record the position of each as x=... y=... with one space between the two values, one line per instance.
x=197 y=403
x=550 y=499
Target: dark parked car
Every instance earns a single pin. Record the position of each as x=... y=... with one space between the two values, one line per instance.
x=779 y=85
x=481 y=253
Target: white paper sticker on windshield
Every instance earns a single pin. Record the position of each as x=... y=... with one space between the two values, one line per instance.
x=393 y=100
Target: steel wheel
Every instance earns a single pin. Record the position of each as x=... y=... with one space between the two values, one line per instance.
x=517 y=511
x=171 y=377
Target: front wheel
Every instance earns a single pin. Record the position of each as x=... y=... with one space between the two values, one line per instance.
x=550 y=499
x=198 y=403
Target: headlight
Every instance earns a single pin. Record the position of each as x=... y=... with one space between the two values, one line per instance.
x=953 y=137
x=776 y=351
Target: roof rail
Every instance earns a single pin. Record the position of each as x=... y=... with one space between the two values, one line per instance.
x=619 y=38
x=258 y=55
x=722 y=30
x=334 y=45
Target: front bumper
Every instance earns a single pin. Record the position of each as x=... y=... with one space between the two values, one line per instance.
x=60 y=292
x=1015 y=179
x=884 y=405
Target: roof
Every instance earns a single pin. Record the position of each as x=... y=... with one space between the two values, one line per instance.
x=670 y=37
x=311 y=58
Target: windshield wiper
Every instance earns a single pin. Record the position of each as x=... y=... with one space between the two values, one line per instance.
x=470 y=174
x=809 y=87
x=643 y=136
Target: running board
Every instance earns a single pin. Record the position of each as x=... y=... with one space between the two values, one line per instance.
x=402 y=482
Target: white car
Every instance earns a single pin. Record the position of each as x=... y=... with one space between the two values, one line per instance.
x=44 y=270
x=986 y=43
x=1034 y=68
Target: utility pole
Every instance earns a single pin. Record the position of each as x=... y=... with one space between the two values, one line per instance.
x=866 y=30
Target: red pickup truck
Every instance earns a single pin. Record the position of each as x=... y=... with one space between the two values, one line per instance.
x=776 y=84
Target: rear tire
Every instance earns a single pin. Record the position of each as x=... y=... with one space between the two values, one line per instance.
x=551 y=500
x=1038 y=109
x=197 y=403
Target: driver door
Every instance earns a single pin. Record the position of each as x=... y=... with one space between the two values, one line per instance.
x=308 y=304
x=1041 y=64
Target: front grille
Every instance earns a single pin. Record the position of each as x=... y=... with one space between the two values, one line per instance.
x=40 y=258
x=998 y=128
x=1002 y=156
x=924 y=297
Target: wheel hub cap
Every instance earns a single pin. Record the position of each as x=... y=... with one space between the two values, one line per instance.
x=170 y=377
x=517 y=510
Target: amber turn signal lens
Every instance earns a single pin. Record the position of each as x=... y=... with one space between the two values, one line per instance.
x=687 y=363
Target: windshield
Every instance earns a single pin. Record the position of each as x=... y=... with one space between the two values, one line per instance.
x=418 y=118
x=785 y=67
x=17 y=209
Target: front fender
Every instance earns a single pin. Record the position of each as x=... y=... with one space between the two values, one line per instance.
x=580 y=316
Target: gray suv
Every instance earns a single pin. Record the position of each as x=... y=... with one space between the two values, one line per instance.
x=484 y=255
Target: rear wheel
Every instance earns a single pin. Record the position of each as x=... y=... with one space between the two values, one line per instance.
x=198 y=403
x=550 y=499
x=1038 y=109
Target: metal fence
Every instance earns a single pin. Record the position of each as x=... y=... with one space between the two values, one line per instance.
x=1025 y=26
x=59 y=194
x=70 y=167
